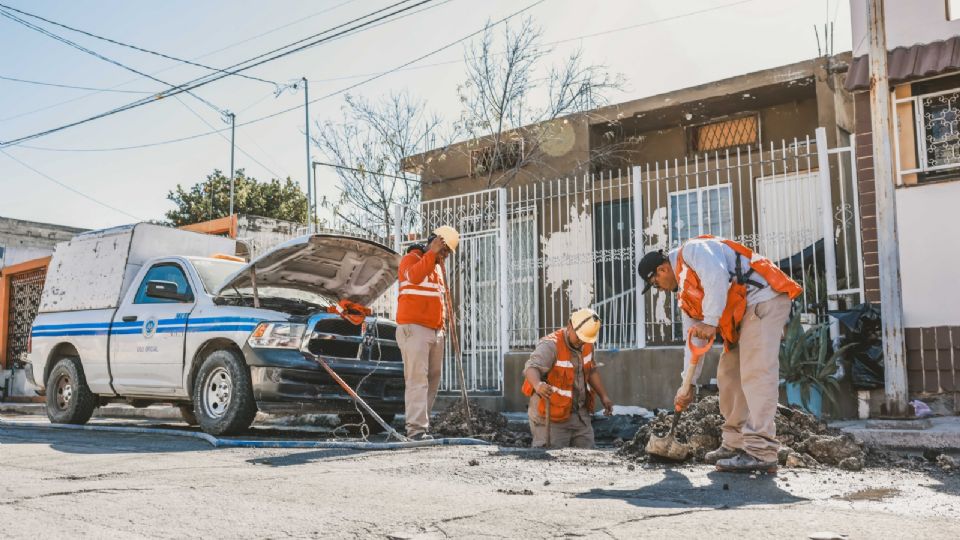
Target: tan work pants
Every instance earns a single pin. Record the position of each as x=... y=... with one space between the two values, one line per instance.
x=748 y=377
x=574 y=432
x=422 y=351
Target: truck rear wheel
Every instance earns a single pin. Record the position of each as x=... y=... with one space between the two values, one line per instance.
x=69 y=399
x=223 y=399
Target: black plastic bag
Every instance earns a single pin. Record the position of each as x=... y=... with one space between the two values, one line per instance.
x=862 y=329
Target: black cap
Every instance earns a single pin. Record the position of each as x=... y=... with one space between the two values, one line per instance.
x=648 y=267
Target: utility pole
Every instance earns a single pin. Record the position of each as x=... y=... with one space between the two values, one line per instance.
x=233 y=145
x=891 y=302
x=310 y=194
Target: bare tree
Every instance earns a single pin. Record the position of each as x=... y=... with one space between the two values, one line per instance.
x=369 y=146
x=512 y=109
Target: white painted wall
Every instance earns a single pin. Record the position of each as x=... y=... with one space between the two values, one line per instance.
x=929 y=254
x=908 y=22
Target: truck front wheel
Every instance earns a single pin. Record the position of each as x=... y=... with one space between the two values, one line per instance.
x=223 y=394
x=69 y=399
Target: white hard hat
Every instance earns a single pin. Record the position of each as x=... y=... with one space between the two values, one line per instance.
x=586 y=324
x=450 y=236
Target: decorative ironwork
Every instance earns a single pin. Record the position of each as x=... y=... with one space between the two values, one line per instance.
x=25 y=292
x=940 y=126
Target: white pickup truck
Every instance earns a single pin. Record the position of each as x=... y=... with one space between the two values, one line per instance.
x=147 y=314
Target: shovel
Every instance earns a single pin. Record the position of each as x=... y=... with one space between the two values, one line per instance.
x=668 y=446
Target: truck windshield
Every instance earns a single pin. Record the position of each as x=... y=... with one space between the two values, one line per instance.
x=213 y=272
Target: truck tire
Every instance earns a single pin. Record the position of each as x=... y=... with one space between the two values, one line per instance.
x=223 y=399
x=69 y=399
x=186 y=411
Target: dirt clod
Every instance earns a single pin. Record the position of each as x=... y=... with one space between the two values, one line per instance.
x=487 y=425
x=515 y=492
x=801 y=461
x=947 y=462
x=473 y=463
x=800 y=434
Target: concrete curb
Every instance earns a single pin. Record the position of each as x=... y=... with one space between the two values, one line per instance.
x=938 y=433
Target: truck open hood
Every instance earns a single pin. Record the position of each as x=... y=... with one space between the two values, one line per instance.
x=341 y=267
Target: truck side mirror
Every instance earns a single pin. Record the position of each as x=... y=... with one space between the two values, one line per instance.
x=166 y=290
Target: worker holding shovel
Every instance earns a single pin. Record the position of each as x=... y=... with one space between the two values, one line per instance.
x=725 y=288
x=562 y=405
x=420 y=319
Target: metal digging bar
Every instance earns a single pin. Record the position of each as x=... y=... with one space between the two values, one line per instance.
x=457 y=351
x=346 y=387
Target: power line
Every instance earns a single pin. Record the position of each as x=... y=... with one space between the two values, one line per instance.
x=65 y=186
x=237 y=146
x=168 y=68
x=190 y=85
x=98 y=55
x=376 y=75
x=134 y=47
x=72 y=87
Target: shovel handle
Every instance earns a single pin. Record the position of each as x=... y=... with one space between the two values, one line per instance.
x=696 y=353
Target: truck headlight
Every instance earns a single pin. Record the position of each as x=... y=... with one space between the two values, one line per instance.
x=277 y=335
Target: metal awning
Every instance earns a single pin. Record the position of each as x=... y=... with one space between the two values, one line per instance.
x=905 y=64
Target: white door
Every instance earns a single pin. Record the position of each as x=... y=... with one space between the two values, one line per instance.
x=789 y=215
x=147 y=337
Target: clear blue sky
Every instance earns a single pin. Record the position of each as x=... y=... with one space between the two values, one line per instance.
x=738 y=37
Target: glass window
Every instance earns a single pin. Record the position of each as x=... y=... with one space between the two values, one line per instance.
x=701 y=211
x=163 y=272
x=733 y=133
x=213 y=272
x=953 y=10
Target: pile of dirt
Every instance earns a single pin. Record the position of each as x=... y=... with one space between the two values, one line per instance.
x=487 y=425
x=804 y=440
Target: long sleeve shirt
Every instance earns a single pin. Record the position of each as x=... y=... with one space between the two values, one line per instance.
x=715 y=264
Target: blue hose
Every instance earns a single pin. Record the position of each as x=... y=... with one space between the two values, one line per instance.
x=217 y=442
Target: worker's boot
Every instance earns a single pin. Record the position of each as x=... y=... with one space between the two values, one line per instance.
x=723 y=452
x=744 y=462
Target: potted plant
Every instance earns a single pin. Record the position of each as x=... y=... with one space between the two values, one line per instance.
x=808 y=367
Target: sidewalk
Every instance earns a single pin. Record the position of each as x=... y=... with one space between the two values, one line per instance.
x=928 y=433
x=153 y=412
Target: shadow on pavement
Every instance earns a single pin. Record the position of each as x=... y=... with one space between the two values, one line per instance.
x=100 y=442
x=727 y=490
x=304 y=458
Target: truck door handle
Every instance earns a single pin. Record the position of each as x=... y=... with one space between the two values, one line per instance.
x=129 y=318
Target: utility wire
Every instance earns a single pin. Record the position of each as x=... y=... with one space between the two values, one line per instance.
x=224 y=137
x=72 y=87
x=65 y=186
x=297 y=107
x=186 y=87
x=101 y=57
x=134 y=47
x=168 y=68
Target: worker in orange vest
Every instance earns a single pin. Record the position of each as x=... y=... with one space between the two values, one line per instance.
x=420 y=318
x=725 y=288
x=561 y=406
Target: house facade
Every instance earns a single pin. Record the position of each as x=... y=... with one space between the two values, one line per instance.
x=559 y=221
x=923 y=62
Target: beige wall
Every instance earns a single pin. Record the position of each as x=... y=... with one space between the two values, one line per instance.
x=929 y=259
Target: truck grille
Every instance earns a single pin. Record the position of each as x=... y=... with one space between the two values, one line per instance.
x=341 y=339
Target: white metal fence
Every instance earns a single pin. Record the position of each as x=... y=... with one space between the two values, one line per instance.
x=531 y=254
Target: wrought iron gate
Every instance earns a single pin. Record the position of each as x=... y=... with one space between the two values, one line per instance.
x=25 y=292
x=476 y=279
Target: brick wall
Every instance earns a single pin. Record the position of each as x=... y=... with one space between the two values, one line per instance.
x=868 y=197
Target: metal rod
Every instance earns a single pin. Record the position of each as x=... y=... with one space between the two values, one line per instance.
x=346 y=388
x=233 y=145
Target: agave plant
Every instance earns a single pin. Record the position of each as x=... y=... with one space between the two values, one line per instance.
x=806 y=360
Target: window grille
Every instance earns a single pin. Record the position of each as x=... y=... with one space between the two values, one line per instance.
x=734 y=133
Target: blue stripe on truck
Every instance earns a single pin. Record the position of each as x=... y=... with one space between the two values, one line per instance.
x=164 y=326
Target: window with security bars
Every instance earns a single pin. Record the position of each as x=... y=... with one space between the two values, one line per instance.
x=706 y=210
x=496 y=158
x=738 y=132
x=928 y=145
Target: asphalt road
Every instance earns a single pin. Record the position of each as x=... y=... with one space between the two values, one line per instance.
x=56 y=483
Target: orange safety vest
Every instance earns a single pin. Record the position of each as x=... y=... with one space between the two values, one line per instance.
x=420 y=300
x=561 y=377
x=690 y=294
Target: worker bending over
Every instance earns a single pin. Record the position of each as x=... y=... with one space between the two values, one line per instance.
x=561 y=406
x=420 y=319
x=724 y=287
